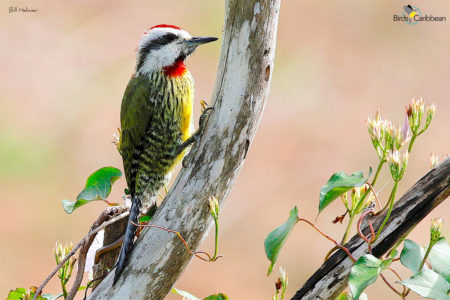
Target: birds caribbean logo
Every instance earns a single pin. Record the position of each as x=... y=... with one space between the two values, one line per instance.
x=410 y=12
x=156 y=120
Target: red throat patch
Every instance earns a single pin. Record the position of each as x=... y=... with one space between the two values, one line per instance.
x=177 y=69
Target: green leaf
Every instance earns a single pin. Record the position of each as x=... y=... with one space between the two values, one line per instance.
x=276 y=239
x=338 y=184
x=439 y=258
x=428 y=284
x=347 y=296
x=184 y=294
x=19 y=294
x=219 y=296
x=145 y=219
x=365 y=272
x=98 y=187
x=412 y=255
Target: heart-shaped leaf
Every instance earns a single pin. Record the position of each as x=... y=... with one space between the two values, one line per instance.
x=428 y=284
x=365 y=272
x=98 y=187
x=412 y=255
x=338 y=184
x=440 y=258
x=276 y=239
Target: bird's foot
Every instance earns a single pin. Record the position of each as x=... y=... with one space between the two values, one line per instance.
x=197 y=135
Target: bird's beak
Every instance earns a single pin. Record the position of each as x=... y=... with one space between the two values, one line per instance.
x=198 y=40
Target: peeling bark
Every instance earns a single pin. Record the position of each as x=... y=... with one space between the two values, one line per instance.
x=424 y=196
x=242 y=86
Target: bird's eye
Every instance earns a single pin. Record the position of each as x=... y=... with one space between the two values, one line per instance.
x=165 y=39
x=159 y=42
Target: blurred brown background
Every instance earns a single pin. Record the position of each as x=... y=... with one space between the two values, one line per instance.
x=64 y=71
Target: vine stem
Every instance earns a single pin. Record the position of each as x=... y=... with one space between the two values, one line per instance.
x=360 y=203
x=347 y=230
x=196 y=253
x=391 y=205
x=391 y=287
x=369 y=242
x=329 y=238
x=375 y=195
x=380 y=166
x=399 y=278
x=413 y=138
x=426 y=255
x=216 y=239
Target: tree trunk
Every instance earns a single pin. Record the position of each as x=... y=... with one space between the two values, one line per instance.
x=430 y=191
x=242 y=86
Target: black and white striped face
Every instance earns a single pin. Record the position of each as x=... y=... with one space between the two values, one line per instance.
x=163 y=45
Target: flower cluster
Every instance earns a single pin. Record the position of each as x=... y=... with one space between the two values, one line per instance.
x=436 y=229
x=65 y=271
x=385 y=136
x=415 y=110
x=281 y=285
x=214 y=207
x=397 y=163
x=357 y=193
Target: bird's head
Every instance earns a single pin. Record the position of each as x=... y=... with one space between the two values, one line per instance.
x=165 y=47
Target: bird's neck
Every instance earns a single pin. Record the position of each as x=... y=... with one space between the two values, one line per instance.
x=175 y=70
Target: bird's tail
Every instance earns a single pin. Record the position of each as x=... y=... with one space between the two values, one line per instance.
x=127 y=243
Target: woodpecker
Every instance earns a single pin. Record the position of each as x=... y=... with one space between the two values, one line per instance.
x=156 y=119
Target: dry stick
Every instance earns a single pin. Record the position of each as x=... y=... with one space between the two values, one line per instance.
x=80 y=243
x=107 y=213
x=80 y=269
x=182 y=239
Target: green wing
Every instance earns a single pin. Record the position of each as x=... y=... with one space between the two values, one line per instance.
x=135 y=118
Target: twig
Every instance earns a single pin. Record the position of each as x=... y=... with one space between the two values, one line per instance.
x=106 y=214
x=80 y=269
x=101 y=218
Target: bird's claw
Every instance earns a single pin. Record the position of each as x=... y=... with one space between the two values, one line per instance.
x=197 y=135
